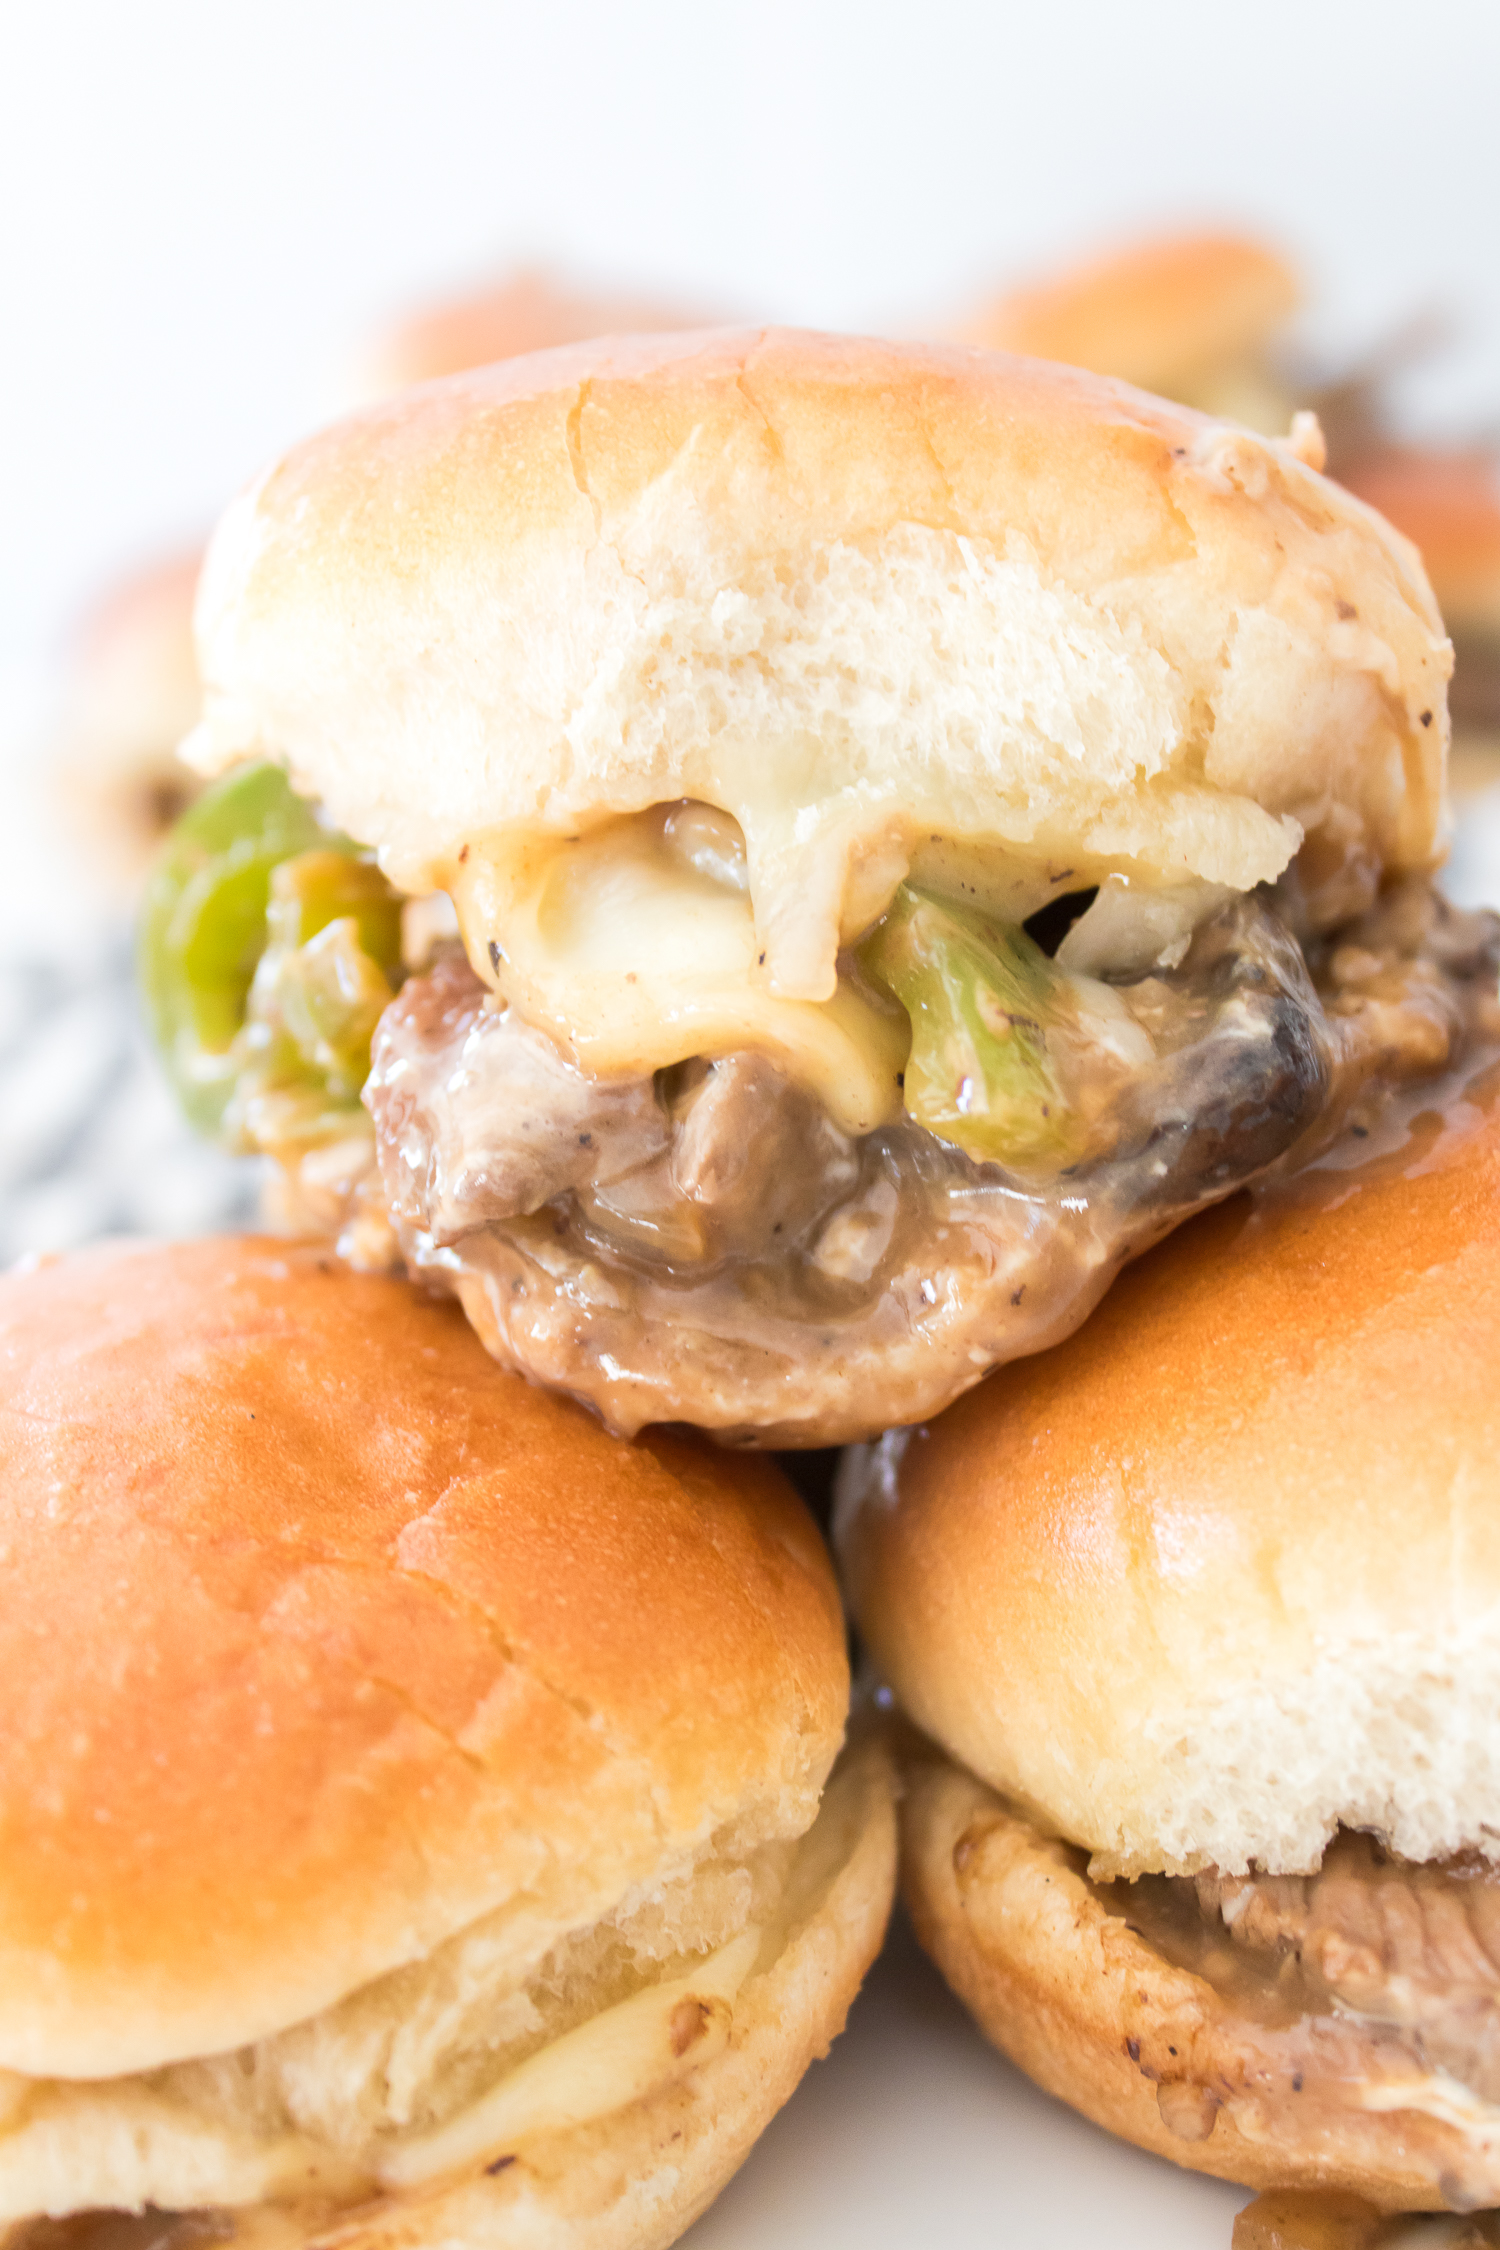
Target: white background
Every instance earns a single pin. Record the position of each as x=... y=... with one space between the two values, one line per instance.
x=204 y=202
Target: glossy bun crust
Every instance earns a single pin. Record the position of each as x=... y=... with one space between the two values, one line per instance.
x=324 y=1636
x=851 y=592
x=1222 y=1572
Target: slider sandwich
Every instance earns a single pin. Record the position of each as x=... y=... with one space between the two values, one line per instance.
x=1200 y=1617
x=1205 y=319
x=416 y=1803
x=1198 y=317
x=920 y=824
x=131 y=695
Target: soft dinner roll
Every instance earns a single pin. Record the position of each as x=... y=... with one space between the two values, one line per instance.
x=414 y=1799
x=1209 y=1598
x=848 y=592
x=1235 y=1500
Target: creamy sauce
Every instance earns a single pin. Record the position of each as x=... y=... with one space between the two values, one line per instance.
x=1410 y=1130
x=715 y=1246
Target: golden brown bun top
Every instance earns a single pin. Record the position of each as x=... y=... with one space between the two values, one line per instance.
x=1448 y=505
x=527 y=313
x=323 y=1635
x=1157 y=313
x=854 y=593
x=1224 y=1569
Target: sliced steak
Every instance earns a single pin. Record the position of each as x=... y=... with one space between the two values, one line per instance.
x=707 y=1246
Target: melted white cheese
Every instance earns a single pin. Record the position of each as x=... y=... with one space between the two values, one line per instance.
x=634 y=955
x=68 y=2147
x=621 y=2056
x=1441 y=2096
x=635 y=946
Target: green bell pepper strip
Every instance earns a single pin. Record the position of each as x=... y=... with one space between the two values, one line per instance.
x=221 y=896
x=330 y=967
x=981 y=997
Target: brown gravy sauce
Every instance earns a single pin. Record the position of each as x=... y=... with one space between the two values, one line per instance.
x=1406 y=1132
x=1164 y=1911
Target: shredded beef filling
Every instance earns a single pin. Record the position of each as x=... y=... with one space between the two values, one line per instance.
x=1368 y=1979
x=1339 y=2022
x=1415 y=1948
x=707 y=1245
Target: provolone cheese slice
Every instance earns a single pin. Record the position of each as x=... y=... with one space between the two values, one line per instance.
x=620 y=2056
x=633 y=959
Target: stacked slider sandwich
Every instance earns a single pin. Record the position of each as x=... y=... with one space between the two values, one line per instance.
x=921 y=824
x=417 y=1814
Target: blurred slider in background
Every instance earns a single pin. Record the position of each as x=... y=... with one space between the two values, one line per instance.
x=530 y=312
x=1449 y=503
x=1206 y=318
x=1197 y=318
x=131 y=693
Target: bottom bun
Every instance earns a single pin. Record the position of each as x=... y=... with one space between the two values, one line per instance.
x=633 y=2179
x=1267 y=2095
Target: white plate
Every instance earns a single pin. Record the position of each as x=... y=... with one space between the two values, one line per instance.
x=915 y=2132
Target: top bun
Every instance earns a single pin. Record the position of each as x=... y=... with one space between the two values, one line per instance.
x=1223 y=1571
x=527 y=313
x=1158 y=313
x=853 y=593
x=323 y=1636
